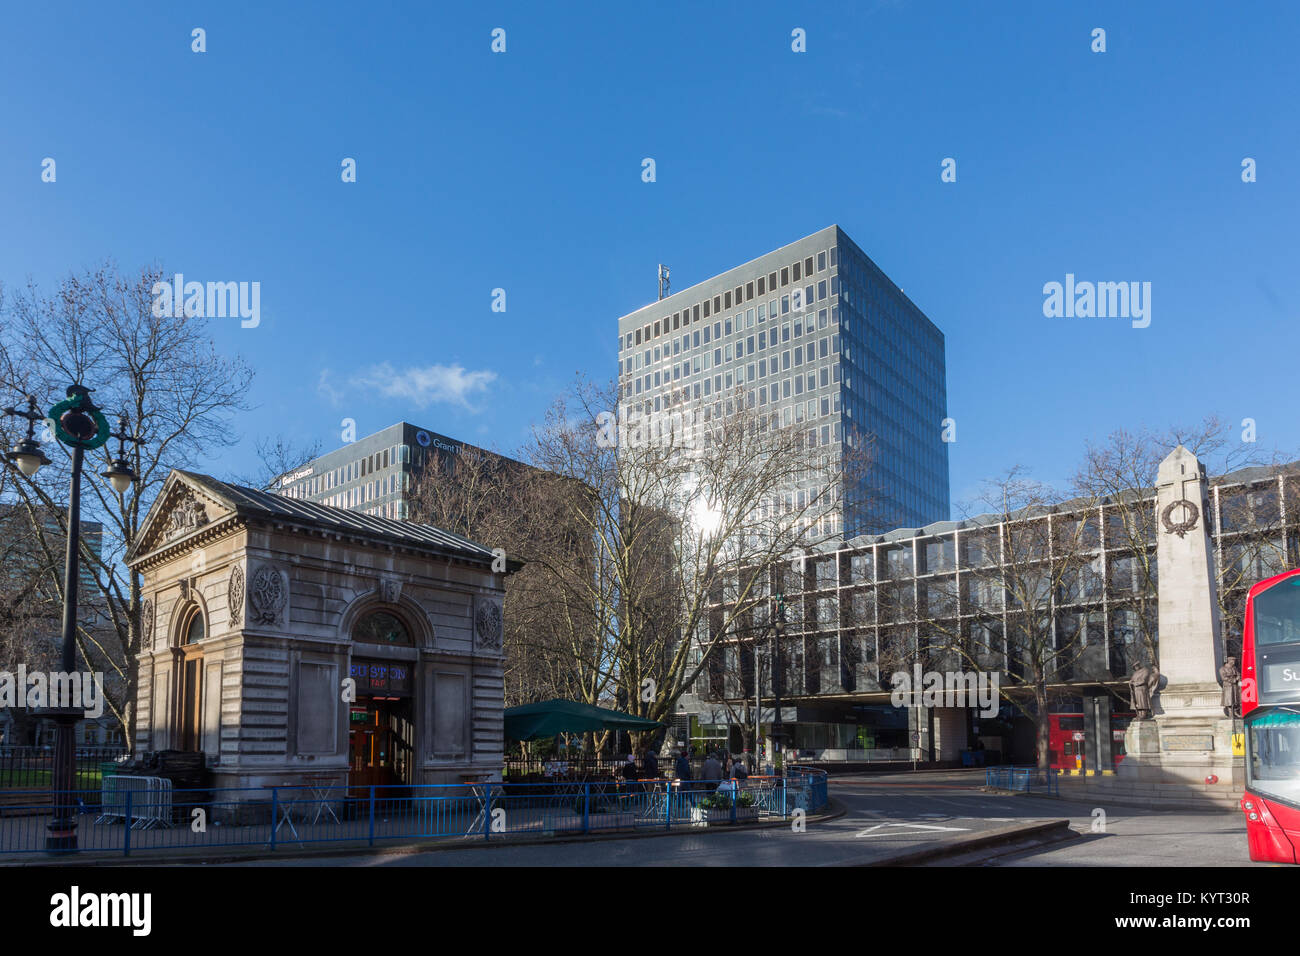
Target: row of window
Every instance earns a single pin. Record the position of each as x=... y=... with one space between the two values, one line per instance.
x=787 y=360
x=755 y=288
x=312 y=487
x=742 y=344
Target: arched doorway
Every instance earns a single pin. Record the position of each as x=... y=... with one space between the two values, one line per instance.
x=381 y=721
x=189 y=736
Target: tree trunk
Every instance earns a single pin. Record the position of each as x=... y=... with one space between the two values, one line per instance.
x=1044 y=726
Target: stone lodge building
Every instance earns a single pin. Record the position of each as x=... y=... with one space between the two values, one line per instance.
x=291 y=641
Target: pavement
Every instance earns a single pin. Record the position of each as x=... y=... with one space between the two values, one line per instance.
x=932 y=819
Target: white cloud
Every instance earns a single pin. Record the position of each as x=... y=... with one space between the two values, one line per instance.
x=326 y=390
x=426 y=386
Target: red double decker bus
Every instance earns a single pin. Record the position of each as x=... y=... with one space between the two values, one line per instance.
x=1065 y=740
x=1270 y=707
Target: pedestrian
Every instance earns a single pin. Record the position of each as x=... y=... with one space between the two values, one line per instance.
x=727 y=764
x=712 y=771
x=630 y=773
x=649 y=764
x=682 y=769
x=740 y=771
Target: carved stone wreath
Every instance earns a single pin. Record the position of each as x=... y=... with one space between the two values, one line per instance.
x=1179 y=528
x=235 y=595
x=266 y=595
x=487 y=624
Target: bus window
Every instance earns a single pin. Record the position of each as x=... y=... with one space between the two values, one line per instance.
x=1277 y=614
x=1274 y=767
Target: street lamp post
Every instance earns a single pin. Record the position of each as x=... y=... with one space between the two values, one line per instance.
x=778 y=728
x=79 y=424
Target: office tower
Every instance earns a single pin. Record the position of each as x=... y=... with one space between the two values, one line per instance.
x=816 y=335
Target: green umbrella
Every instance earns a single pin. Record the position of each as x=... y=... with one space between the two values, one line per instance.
x=551 y=717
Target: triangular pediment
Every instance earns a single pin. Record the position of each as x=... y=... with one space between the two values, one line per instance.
x=183 y=508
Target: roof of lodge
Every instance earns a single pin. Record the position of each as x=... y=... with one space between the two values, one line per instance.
x=251 y=503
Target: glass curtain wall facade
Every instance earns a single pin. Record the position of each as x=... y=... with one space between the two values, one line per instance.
x=375 y=474
x=814 y=336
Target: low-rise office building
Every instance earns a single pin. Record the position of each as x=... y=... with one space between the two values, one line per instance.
x=861 y=610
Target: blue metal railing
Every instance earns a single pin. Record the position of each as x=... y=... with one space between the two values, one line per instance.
x=1023 y=780
x=147 y=815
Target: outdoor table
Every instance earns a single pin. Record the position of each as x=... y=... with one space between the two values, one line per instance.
x=321 y=785
x=285 y=810
x=479 y=791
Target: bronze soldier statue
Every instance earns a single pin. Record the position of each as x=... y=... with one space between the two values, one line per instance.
x=1231 y=678
x=1143 y=683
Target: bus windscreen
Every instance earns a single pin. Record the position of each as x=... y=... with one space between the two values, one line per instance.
x=1277 y=614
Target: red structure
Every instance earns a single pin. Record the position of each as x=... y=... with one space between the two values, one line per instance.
x=1066 y=744
x=1270 y=706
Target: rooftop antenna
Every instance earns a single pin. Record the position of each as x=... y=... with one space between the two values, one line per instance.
x=664 y=275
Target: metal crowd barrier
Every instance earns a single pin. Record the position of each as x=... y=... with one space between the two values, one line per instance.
x=150 y=802
x=268 y=817
x=1022 y=779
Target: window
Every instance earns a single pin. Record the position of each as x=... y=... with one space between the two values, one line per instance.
x=381 y=627
x=726 y=300
x=785 y=276
x=821 y=262
x=795 y=274
x=762 y=285
x=749 y=291
x=807 y=267
x=717 y=303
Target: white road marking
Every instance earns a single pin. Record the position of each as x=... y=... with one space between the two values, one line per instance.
x=879 y=829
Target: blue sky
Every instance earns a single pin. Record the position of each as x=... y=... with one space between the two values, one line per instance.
x=522 y=171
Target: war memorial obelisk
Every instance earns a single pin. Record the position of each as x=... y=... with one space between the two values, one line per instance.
x=1188 y=740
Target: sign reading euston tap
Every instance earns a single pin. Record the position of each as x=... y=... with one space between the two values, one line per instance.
x=391 y=678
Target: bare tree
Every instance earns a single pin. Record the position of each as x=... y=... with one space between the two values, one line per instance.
x=277 y=457
x=687 y=516
x=1122 y=472
x=99 y=328
x=30 y=612
x=1026 y=558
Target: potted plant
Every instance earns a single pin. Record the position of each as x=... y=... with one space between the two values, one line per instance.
x=716 y=808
